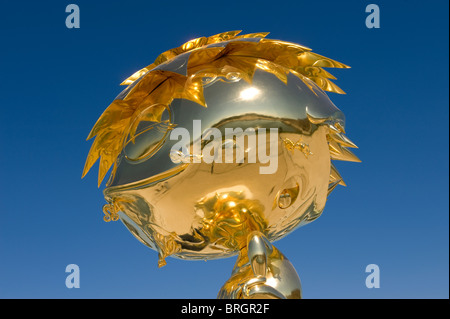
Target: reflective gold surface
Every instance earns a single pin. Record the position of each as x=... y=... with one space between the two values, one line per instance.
x=201 y=210
x=261 y=272
x=176 y=75
x=177 y=204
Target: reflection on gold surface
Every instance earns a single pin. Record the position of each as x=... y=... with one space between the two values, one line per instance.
x=238 y=223
x=209 y=209
x=230 y=217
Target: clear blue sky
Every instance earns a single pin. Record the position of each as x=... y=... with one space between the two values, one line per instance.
x=55 y=82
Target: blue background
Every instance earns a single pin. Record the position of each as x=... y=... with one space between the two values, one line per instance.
x=55 y=83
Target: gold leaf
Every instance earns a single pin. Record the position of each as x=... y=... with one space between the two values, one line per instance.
x=326 y=84
x=342 y=139
x=340 y=153
x=224 y=36
x=310 y=71
x=244 y=65
x=193 y=91
x=305 y=80
x=335 y=176
x=136 y=75
x=115 y=112
x=157 y=88
x=314 y=59
x=277 y=70
x=253 y=35
x=191 y=45
x=201 y=58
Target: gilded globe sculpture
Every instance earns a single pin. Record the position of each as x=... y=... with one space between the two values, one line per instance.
x=221 y=147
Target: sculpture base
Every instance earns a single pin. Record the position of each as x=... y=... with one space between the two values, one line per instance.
x=261 y=272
